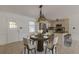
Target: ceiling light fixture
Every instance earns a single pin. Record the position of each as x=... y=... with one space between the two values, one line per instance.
x=41 y=18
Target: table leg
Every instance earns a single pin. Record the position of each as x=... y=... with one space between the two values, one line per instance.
x=40 y=46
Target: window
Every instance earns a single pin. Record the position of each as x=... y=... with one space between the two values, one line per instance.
x=31 y=26
x=12 y=25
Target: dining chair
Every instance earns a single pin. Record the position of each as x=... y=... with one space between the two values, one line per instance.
x=29 y=40
x=46 y=41
x=50 y=39
x=49 y=44
x=33 y=42
x=55 y=42
x=52 y=45
x=28 y=46
x=67 y=40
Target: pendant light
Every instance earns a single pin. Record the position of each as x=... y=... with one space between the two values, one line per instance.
x=41 y=18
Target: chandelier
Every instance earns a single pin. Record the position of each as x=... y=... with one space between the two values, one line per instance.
x=41 y=18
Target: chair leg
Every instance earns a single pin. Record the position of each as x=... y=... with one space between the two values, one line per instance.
x=52 y=51
x=28 y=51
x=35 y=51
x=33 y=42
x=24 y=50
x=46 y=50
x=55 y=49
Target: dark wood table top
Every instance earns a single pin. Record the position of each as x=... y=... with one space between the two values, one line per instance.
x=37 y=38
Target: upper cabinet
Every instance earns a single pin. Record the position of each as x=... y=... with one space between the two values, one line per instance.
x=60 y=25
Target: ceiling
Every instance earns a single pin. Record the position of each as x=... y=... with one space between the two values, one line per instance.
x=50 y=11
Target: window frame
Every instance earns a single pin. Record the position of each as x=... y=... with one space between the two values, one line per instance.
x=12 y=25
x=32 y=27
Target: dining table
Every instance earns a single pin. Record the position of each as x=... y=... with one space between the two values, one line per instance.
x=40 y=38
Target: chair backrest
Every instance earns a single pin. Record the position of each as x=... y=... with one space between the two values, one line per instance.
x=55 y=41
x=51 y=38
x=67 y=38
x=67 y=35
x=25 y=41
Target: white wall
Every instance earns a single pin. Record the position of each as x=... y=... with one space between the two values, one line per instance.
x=74 y=22
x=3 y=29
x=11 y=35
